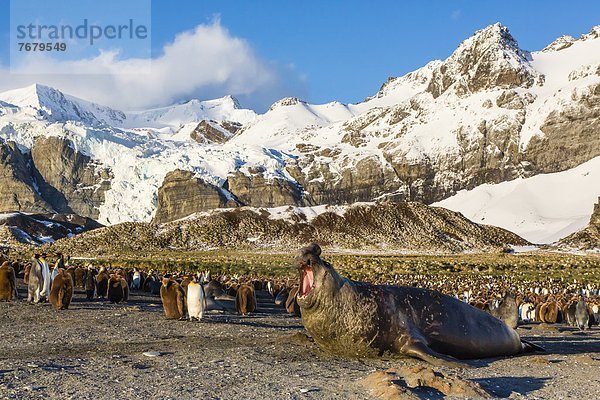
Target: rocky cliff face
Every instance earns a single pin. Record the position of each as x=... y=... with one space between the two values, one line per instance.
x=257 y=190
x=452 y=125
x=52 y=178
x=571 y=135
x=18 y=188
x=595 y=219
x=360 y=180
x=68 y=179
x=182 y=194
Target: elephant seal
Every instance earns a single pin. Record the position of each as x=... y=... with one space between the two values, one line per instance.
x=173 y=299
x=8 y=282
x=550 y=312
x=245 y=299
x=61 y=291
x=196 y=301
x=359 y=319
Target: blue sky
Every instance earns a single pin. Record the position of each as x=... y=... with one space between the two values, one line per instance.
x=347 y=49
x=344 y=50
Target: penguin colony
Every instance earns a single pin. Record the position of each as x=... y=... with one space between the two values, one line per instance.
x=187 y=296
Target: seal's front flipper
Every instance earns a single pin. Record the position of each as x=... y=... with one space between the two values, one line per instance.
x=529 y=347
x=422 y=351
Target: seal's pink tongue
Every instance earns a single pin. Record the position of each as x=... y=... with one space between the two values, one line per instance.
x=307 y=281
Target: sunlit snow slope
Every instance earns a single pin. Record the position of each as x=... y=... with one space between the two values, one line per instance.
x=541 y=209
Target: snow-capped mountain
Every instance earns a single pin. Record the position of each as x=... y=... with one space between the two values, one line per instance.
x=52 y=105
x=491 y=112
x=193 y=111
x=540 y=209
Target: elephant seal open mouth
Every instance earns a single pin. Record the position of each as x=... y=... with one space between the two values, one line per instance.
x=359 y=319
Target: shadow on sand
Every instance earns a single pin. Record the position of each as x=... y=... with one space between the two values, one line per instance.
x=503 y=386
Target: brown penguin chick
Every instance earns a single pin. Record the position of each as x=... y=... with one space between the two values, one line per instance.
x=102 y=284
x=80 y=275
x=569 y=311
x=115 y=292
x=173 y=299
x=245 y=300
x=90 y=284
x=8 y=282
x=291 y=304
x=17 y=267
x=125 y=287
x=185 y=282
x=61 y=291
x=26 y=272
x=360 y=319
x=71 y=271
x=549 y=312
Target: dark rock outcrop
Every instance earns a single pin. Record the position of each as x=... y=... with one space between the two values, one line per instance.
x=488 y=152
x=209 y=132
x=38 y=229
x=595 y=219
x=182 y=194
x=54 y=177
x=17 y=187
x=259 y=191
x=587 y=238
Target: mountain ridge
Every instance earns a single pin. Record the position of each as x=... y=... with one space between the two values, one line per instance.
x=491 y=112
x=383 y=227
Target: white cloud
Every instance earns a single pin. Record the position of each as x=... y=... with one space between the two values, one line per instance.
x=456 y=14
x=204 y=63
